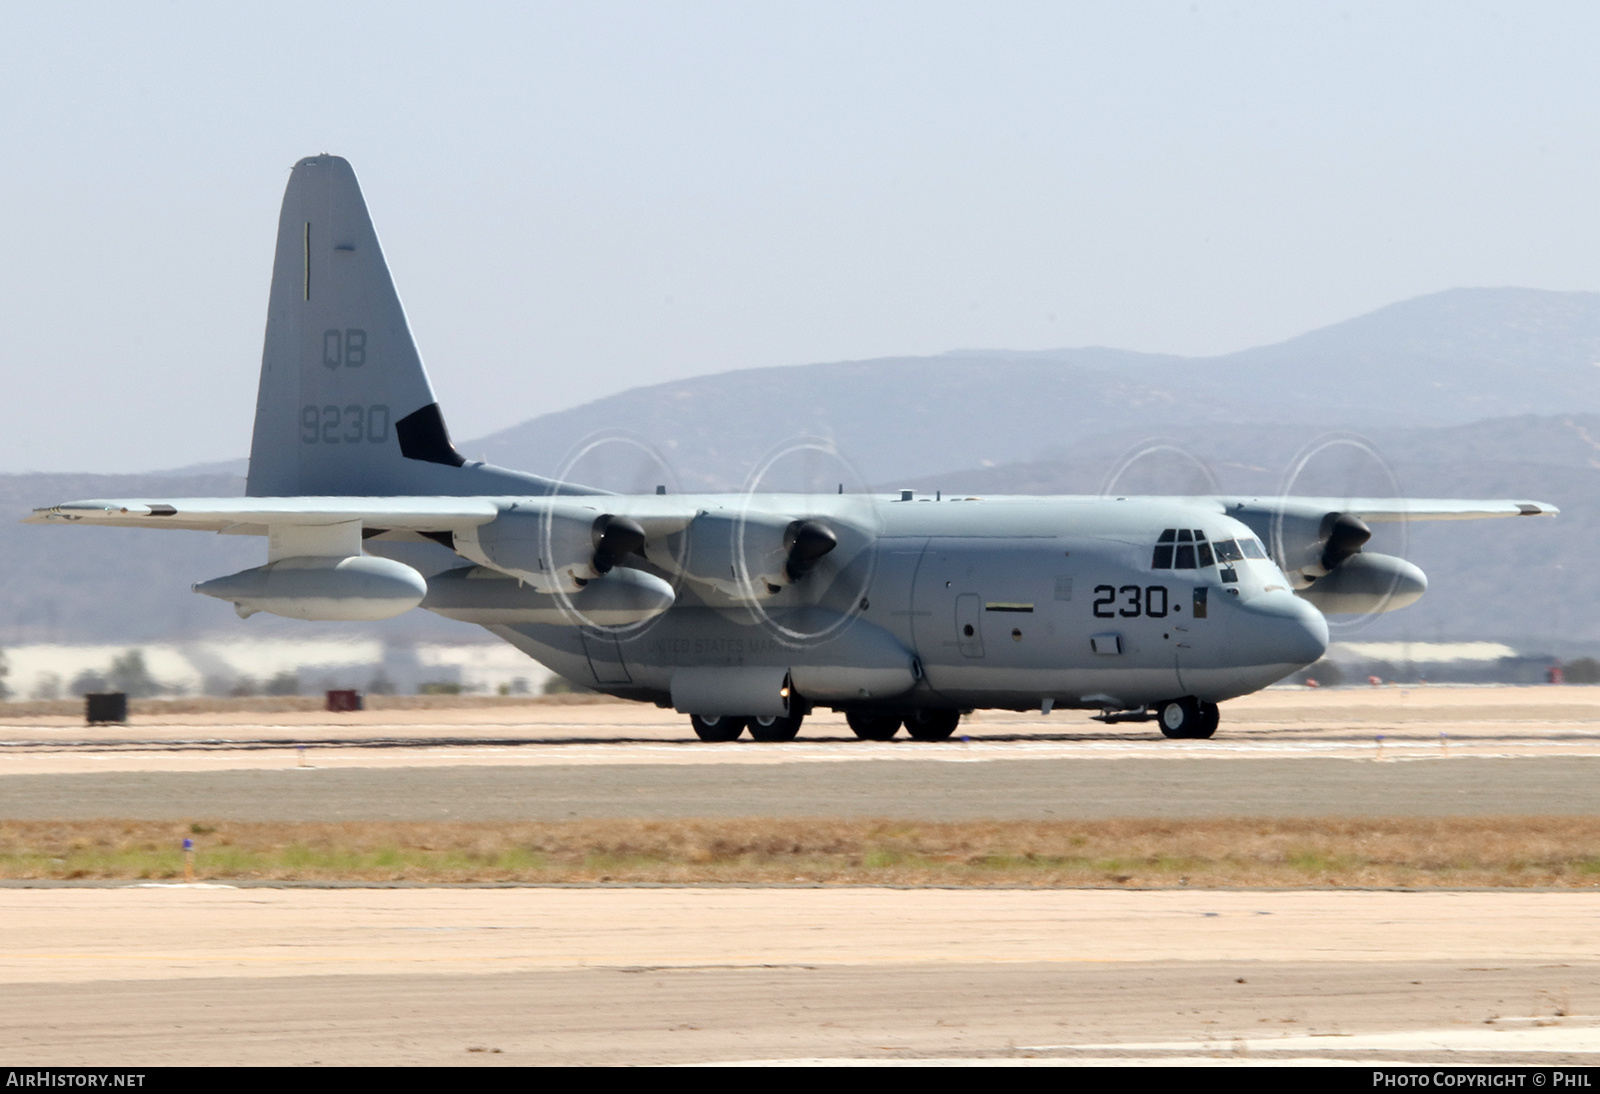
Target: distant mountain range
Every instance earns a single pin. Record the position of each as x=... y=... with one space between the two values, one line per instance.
x=1472 y=393
x=1449 y=358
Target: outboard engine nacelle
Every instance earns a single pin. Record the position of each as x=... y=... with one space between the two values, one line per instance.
x=1365 y=583
x=359 y=588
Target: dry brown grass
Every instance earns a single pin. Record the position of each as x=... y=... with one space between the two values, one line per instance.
x=1465 y=852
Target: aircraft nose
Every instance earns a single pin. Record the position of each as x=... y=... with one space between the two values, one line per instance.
x=1285 y=629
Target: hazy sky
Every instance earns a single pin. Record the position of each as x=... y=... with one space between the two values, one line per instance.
x=579 y=198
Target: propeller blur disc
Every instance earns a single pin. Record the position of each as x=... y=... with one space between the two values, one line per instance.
x=623 y=463
x=1343 y=467
x=836 y=556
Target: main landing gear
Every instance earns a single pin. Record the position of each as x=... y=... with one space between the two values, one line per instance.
x=724 y=727
x=923 y=725
x=874 y=725
x=1187 y=718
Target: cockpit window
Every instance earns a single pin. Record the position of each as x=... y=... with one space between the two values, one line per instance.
x=1188 y=549
x=1181 y=549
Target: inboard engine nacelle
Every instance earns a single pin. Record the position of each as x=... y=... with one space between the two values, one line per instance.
x=752 y=556
x=555 y=550
x=359 y=588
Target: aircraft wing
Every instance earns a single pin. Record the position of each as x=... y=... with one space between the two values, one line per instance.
x=657 y=515
x=423 y=514
x=1395 y=509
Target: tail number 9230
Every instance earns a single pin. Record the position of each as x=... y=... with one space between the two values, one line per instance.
x=1130 y=601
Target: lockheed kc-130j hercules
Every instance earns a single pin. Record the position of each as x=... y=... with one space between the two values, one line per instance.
x=747 y=611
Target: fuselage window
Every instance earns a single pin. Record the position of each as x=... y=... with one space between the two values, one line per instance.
x=1203 y=549
x=1227 y=550
x=1252 y=548
x=1185 y=560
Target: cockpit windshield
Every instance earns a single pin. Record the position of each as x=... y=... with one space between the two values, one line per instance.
x=1189 y=549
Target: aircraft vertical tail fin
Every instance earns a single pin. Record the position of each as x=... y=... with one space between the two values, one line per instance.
x=345 y=406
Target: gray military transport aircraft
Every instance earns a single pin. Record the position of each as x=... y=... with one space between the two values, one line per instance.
x=749 y=610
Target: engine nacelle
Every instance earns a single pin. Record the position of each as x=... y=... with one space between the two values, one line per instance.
x=1366 y=582
x=560 y=550
x=754 y=556
x=1313 y=543
x=477 y=594
x=360 y=588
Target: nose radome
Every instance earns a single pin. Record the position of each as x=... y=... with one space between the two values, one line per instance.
x=1291 y=630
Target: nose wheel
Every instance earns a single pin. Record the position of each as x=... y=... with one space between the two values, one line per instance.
x=1187 y=718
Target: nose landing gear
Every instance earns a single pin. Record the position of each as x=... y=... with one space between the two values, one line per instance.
x=1187 y=718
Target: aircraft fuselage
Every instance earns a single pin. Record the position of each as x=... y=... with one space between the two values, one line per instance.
x=1008 y=603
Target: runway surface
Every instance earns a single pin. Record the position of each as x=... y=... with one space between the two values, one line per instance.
x=129 y=976
x=524 y=976
x=917 y=789
x=1419 y=751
